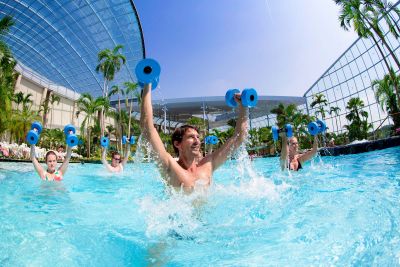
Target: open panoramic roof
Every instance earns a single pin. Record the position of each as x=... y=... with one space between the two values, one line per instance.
x=60 y=40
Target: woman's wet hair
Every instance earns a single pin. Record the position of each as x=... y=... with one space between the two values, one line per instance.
x=50 y=152
x=115 y=153
x=178 y=135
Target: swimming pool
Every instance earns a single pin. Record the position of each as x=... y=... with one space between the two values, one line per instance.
x=336 y=211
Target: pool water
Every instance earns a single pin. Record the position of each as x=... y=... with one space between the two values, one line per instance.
x=341 y=211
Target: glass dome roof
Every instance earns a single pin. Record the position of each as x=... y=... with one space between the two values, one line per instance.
x=60 y=39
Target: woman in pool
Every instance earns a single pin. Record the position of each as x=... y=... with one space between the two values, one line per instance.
x=117 y=164
x=51 y=174
x=290 y=156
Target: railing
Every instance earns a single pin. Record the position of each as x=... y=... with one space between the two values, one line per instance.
x=380 y=125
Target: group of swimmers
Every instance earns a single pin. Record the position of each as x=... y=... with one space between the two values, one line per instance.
x=191 y=167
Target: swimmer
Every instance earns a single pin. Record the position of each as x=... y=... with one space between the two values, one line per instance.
x=290 y=157
x=191 y=168
x=51 y=174
x=117 y=164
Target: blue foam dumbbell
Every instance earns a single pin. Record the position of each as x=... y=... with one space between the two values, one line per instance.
x=124 y=139
x=316 y=127
x=104 y=142
x=275 y=133
x=211 y=140
x=148 y=71
x=249 y=97
x=38 y=126
x=69 y=129
x=321 y=126
x=33 y=135
x=230 y=97
x=288 y=129
x=70 y=138
x=207 y=140
x=132 y=140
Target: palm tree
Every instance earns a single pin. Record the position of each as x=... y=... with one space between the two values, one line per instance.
x=90 y=106
x=53 y=99
x=284 y=114
x=52 y=138
x=382 y=8
x=115 y=90
x=110 y=130
x=335 y=110
x=7 y=75
x=26 y=101
x=131 y=90
x=359 y=126
x=110 y=62
x=17 y=98
x=386 y=97
x=363 y=20
x=320 y=100
x=20 y=122
x=5 y=24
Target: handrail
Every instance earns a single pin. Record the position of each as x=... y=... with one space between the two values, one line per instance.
x=389 y=115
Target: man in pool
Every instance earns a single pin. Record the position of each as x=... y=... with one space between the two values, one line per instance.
x=191 y=168
x=117 y=164
x=290 y=157
x=51 y=174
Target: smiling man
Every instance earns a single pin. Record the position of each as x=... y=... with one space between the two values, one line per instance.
x=191 y=168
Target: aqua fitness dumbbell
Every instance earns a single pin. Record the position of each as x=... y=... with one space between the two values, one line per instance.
x=288 y=129
x=104 y=142
x=148 y=71
x=132 y=140
x=249 y=97
x=316 y=127
x=33 y=135
x=124 y=139
x=211 y=140
x=71 y=138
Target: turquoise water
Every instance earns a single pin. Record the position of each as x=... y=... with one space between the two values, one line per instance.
x=341 y=211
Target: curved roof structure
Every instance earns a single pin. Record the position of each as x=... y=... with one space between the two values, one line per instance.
x=60 y=39
x=213 y=108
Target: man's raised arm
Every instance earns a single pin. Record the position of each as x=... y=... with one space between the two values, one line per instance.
x=221 y=155
x=148 y=129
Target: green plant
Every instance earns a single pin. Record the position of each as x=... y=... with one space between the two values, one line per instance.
x=110 y=62
x=359 y=126
x=386 y=97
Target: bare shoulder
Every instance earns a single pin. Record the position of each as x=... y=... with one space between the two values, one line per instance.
x=206 y=159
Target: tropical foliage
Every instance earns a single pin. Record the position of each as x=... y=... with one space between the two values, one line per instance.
x=320 y=101
x=110 y=62
x=363 y=16
x=359 y=126
x=90 y=107
x=7 y=75
x=386 y=97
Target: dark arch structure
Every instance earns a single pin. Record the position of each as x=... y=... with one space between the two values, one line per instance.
x=60 y=39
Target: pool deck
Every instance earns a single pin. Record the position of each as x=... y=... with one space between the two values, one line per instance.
x=360 y=147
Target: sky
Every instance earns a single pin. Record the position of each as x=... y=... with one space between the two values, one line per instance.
x=278 y=47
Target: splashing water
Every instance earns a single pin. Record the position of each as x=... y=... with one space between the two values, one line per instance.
x=340 y=211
